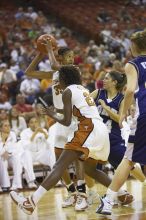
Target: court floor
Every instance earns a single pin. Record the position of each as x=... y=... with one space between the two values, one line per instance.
x=49 y=207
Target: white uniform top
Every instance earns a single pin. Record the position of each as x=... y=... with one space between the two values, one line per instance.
x=89 y=131
x=82 y=101
x=57 y=92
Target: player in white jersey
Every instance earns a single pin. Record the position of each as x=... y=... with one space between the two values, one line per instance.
x=66 y=56
x=89 y=139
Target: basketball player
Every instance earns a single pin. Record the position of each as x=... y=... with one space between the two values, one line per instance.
x=109 y=102
x=66 y=56
x=88 y=138
x=136 y=87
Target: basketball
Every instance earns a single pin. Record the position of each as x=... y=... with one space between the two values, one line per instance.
x=42 y=39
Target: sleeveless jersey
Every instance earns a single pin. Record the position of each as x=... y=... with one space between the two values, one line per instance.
x=83 y=104
x=57 y=92
x=140 y=93
x=114 y=104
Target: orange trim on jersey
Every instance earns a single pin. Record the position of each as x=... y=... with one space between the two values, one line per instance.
x=85 y=127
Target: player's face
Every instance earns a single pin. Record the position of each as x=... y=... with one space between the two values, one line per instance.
x=68 y=58
x=108 y=82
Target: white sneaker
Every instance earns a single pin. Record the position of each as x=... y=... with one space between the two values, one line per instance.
x=32 y=185
x=92 y=198
x=81 y=203
x=70 y=200
x=105 y=207
x=25 y=204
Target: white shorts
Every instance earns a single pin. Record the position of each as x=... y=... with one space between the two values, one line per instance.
x=61 y=135
x=92 y=138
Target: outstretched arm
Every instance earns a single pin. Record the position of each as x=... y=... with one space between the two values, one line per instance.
x=65 y=119
x=32 y=72
x=54 y=63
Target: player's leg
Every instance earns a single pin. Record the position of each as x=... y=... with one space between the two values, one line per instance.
x=28 y=204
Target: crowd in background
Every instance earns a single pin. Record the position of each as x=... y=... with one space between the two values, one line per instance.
x=19 y=111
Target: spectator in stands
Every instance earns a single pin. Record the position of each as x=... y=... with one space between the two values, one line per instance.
x=17 y=123
x=36 y=149
x=9 y=157
x=25 y=110
x=4 y=104
x=19 y=14
x=41 y=19
x=31 y=14
x=29 y=88
x=103 y=16
x=60 y=41
x=124 y=15
x=42 y=119
x=3 y=115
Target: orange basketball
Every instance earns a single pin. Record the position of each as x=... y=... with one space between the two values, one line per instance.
x=41 y=40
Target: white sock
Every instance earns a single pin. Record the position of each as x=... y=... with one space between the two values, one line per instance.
x=121 y=192
x=80 y=182
x=111 y=195
x=38 y=194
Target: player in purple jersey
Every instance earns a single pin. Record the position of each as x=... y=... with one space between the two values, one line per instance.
x=136 y=88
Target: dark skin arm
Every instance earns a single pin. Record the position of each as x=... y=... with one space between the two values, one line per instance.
x=32 y=72
x=67 y=110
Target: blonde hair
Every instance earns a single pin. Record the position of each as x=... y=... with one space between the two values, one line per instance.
x=139 y=39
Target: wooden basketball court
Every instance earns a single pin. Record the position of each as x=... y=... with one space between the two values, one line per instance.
x=49 y=207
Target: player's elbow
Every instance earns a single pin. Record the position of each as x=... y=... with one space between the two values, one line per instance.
x=67 y=123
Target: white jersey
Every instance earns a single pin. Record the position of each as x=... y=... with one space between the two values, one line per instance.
x=57 y=92
x=89 y=134
x=83 y=104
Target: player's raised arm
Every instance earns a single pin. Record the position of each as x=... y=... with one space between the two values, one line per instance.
x=32 y=72
x=54 y=63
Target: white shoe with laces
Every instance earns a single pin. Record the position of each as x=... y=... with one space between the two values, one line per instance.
x=70 y=200
x=105 y=208
x=81 y=203
x=25 y=204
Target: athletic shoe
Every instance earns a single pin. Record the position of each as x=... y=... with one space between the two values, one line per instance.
x=81 y=203
x=70 y=200
x=105 y=208
x=25 y=204
x=125 y=199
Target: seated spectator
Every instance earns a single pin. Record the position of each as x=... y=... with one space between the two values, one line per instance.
x=41 y=19
x=17 y=123
x=42 y=119
x=22 y=107
x=36 y=149
x=124 y=14
x=25 y=110
x=9 y=157
x=103 y=16
x=4 y=104
x=3 y=114
x=29 y=88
